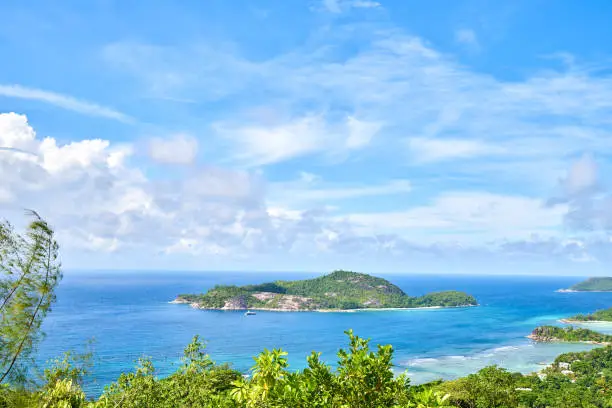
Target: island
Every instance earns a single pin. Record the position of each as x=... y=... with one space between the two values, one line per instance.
x=591 y=285
x=569 y=335
x=336 y=291
x=599 y=316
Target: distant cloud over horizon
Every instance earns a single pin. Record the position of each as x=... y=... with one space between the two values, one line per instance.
x=339 y=133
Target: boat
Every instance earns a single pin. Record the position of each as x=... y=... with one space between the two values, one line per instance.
x=249 y=313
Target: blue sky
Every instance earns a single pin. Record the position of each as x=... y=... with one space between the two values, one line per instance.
x=383 y=136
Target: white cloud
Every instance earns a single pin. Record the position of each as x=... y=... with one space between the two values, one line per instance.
x=174 y=72
x=195 y=246
x=79 y=181
x=365 y=4
x=63 y=101
x=332 y=5
x=396 y=86
x=360 y=132
x=308 y=178
x=397 y=79
x=433 y=150
x=582 y=175
x=397 y=94
x=257 y=145
x=103 y=207
x=331 y=99
x=309 y=192
x=338 y=6
x=103 y=244
x=476 y=216
x=467 y=37
x=80 y=155
x=589 y=203
x=101 y=203
x=177 y=149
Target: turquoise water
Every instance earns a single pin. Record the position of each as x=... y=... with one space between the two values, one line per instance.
x=128 y=316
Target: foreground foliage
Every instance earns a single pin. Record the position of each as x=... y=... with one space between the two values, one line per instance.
x=337 y=290
x=364 y=378
x=29 y=274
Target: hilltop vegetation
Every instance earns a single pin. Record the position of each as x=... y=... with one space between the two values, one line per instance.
x=568 y=334
x=341 y=290
x=364 y=379
x=593 y=285
x=574 y=380
x=598 y=316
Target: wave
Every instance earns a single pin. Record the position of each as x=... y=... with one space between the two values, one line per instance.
x=487 y=353
x=509 y=348
x=524 y=358
x=542 y=319
x=418 y=361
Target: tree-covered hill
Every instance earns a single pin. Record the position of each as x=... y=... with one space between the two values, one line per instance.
x=598 y=316
x=593 y=285
x=568 y=334
x=342 y=290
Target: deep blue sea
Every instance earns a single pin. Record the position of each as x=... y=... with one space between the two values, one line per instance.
x=128 y=316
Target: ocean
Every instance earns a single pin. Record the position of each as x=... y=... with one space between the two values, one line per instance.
x=127 y=315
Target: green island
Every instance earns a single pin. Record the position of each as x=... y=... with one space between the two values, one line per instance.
x=603 y=284
x=598 y=316
x=569 y=334
x=339 y=290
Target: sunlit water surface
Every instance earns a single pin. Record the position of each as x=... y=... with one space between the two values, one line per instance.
x=128 y=316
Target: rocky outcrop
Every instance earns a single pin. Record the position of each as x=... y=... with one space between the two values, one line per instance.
x=236 y=303
x=179 y=300
x=284 y=302
x=294 y=302
x=541 y=335
x=372 y=303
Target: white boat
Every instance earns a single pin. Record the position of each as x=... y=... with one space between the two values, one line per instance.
x=249 y=313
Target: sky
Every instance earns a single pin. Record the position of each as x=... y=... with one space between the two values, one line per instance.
x=310 y=135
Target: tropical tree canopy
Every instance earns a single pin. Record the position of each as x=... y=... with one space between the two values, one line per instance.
x=29 y=273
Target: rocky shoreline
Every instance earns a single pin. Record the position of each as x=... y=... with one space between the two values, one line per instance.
x=570 y=321
x=544 y=339
x=372 y=309
x=569 y=334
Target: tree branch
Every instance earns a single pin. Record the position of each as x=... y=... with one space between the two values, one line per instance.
x=38 y=306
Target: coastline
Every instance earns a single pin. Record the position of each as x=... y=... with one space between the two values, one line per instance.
x=570 y=321
x=555 y=340
x=382 y=309
x=581 y=291
x=178 y=302
x=524 y=356
x=390 y=309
